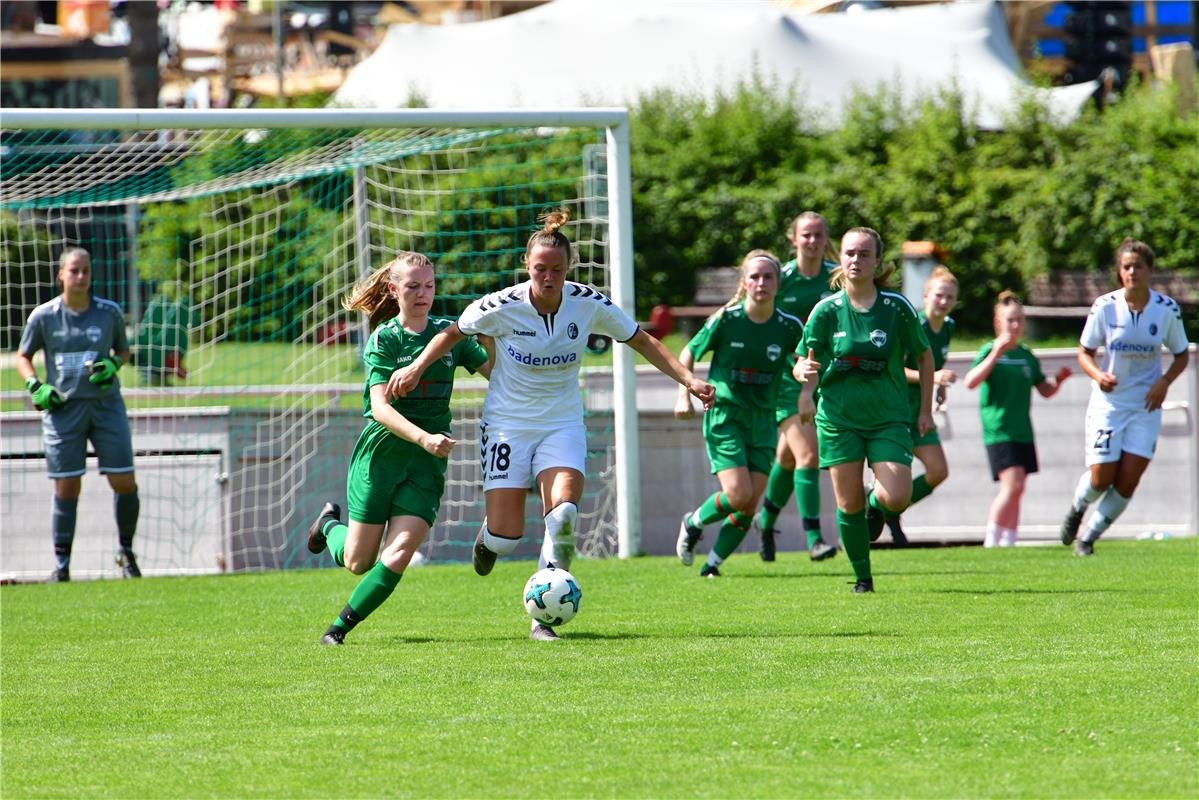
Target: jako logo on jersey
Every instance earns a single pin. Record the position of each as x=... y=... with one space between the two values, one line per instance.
x=878 y=337
x=572 y=331
x=839 y=334
x=530 y=360
x=737 y=345
x=403 y=359
x=773 y=352
x=93 y=333
x=517 y=332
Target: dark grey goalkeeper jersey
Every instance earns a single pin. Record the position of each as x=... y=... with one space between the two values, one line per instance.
x=73 y=338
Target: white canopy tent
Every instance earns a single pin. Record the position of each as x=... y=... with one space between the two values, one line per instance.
x=571 y=53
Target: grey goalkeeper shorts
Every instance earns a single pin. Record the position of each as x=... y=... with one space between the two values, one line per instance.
x=100 y=420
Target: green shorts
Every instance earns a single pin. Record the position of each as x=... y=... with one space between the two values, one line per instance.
x=390 y=477
x=889 y=443
x=736 y=437
x=932 y=437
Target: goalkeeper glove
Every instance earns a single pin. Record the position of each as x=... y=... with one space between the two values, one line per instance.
x=104 y=370
x=45 y=397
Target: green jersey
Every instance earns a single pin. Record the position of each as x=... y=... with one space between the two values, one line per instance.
x=747 y=356
x=798 y=294
x=428 y=405
x=861 y=353
x=1006 y=395
x=938 y=342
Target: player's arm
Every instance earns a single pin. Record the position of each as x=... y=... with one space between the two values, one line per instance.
x=386 y=415
x=405 y=380
x=656 y=353
x=1157 y=392
x=682 y=407
x=924 y=422
x=982 y=370
x=1050 y=386
x=1106 y=381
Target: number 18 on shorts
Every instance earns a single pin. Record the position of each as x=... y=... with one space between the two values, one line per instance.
x=513 y=456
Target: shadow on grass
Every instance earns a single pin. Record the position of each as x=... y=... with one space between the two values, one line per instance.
x=1022 y=591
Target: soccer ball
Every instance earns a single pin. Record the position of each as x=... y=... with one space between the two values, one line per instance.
x=552 y=596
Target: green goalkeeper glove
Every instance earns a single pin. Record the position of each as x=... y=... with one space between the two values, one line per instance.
x=45 y=397
x=104 y=371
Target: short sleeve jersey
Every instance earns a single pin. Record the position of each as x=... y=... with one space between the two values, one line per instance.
x=747 y=356
x=798 y=294
x=938 y=342
x=391 y=346
x=861 y=353
x=535 y=379
x=1005 y=397
x=1132 y=342
x=73 y=338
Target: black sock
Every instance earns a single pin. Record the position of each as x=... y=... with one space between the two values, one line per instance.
x=62 y=527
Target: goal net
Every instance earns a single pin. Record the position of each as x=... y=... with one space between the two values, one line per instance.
x=229 y=239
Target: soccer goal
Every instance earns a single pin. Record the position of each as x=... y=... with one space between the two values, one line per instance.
x=229 y=238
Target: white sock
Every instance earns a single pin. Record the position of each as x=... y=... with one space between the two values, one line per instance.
x=500 y=545
x=713 y=559
x=993 y=534
x=558 y=546
x=1110 y=507
x=1085 y=493
x=1007 y=537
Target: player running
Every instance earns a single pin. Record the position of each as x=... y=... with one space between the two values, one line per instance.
x=940 y=296
x=532 y=432
x=397 y=471
x=804 y=281
x=1124 y=413
x=750 y=341
x=857 y=340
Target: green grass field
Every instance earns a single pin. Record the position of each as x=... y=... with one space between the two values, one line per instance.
x=972 y=673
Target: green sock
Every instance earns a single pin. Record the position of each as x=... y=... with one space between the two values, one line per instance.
x=335 y=539
x=875 y=503
x=715 y=507
x=778 y=491
x=375 y=587
x=731 y=534
x=807 y=496
x=920 y=490
x=855 y=538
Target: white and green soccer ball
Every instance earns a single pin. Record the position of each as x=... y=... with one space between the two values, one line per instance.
x=552 y=596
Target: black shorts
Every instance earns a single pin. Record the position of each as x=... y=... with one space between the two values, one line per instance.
x=1012 y=454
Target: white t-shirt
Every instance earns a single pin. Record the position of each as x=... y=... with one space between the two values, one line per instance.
x=1132 y=343
x=535 y=380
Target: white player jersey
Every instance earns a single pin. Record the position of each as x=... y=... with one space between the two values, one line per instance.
x=1132 y=343
x=535 y=380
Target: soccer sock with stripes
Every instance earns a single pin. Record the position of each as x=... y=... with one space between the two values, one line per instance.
x=1084 y=492
x=779 y=486
x=855 y=538
x=1110 y=507
x=335 y=539
x=62 y=528
x=732 y=533
x=920 y=490
x=126 y=507
x=807 y=496
x=715 y=507
x=374 y=588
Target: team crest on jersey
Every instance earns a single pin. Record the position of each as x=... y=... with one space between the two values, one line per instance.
x=93 y=333
x=1153 y=329
x=572 y=331
x=773 y=352
x=448 y=360
x=878 y=337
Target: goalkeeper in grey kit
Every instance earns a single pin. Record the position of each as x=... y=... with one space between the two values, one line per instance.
x=85 y=344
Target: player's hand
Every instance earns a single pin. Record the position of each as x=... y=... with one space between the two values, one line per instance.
x=1107 y=381
x=807 y=408
x=45 y=397
x=1063 y=373
x=402 y=381
x=104 y=371
x=704 y=392
x=683 y=409
x=925 y=423
x=1156 y=395
x=939 y=395
x=1004 y=342
x=438 y=444
x=806 y=368
x=944 y=377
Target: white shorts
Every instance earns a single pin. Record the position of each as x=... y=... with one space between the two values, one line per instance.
x=512 y=457
x=1111 y=432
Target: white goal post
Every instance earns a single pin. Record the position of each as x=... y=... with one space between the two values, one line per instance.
x=114 y=159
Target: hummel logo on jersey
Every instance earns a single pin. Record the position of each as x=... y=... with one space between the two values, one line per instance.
x=523 y=333
x=878 y=337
